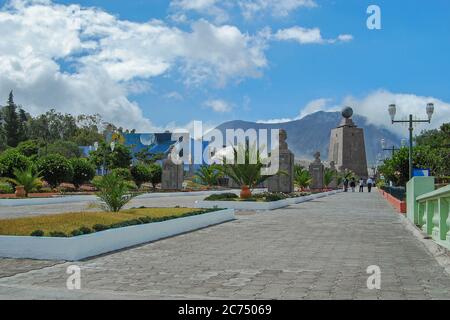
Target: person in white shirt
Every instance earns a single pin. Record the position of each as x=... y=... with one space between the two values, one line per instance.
x=361 y=185
x=369 y=184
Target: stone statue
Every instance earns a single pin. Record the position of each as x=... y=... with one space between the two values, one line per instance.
x=316 y=170
x=172 y=174
x=283 y=182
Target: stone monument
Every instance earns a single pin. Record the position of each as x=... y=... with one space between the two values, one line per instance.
x=283 y=182
x=172 y=175
x=316 y=170
x=347 y=146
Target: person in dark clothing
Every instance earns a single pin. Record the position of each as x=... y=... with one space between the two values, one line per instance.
x=345 y=185
x=353 y=184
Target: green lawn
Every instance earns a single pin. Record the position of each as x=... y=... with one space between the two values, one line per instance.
x=68 y=222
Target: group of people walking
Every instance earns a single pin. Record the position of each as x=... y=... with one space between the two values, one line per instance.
x=352 y=184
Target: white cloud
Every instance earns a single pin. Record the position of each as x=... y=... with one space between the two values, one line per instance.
x=218 y=105
x=307 y=36
x=277 y=8
x=174 y=95
x=374 y=107
x=85 y=60
x=322 y=104
x=214 y=8
x=221 y=9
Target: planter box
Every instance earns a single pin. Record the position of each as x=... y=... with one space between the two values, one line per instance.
x=400 y=206
x=77 y=248
x=261 y=206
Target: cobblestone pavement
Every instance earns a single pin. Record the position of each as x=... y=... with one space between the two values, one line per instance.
x=314 y=250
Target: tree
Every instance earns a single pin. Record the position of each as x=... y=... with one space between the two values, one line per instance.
x=302 y=177
x=209 y=175
x=248 y=172
x=27 y=178
x=146 y=157
x=67 y=149
x=141 y=174
x=12 y=160
x=29 y=148
x=114 y=192
x=12 y=125
x=55 y=169
x=83 y=171
x=155 y=174
x=120 y=158
x=328 y=176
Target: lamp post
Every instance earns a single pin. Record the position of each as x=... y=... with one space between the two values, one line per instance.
x=393 y=110
x=392 y=149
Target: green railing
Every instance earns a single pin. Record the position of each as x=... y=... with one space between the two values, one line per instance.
x=434 y=214
x=431 y=211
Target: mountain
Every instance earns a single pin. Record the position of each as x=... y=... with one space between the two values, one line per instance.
x=312 y=133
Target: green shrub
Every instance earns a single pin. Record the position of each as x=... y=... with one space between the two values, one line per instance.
x=58 y=234
x=141 y=174
x=100 y=227
x=113 y=192
x=6 y=188
x=55 y=169
x=37 y=233
x=83 y=171
x=86 y=230
x=29 y=148
x=76 y=233
x=222 y=197
x=124 y=173
x=11 y=160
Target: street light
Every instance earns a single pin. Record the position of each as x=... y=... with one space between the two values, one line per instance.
x=392 y=149
x=392 y=112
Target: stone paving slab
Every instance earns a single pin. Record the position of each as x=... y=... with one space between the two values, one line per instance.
x=314 y=250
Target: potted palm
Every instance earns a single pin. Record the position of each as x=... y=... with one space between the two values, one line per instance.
x=328 y=177
x=245 y=173
x=302 y=177
x=25 y=181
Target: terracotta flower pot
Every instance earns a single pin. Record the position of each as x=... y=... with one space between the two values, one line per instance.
x=20 y=192
x=245 y=192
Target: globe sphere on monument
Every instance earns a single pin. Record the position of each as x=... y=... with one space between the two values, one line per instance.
x=347 y=112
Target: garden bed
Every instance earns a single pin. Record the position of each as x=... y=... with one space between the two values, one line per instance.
x=261 y=204
x=77 y=236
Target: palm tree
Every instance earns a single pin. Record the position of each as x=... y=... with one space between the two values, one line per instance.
x=302 y=177
x=209 y=175
x=27 y=178
x=246 y=172
x=328 y=176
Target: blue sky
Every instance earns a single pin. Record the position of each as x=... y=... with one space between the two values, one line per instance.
x=405 y=62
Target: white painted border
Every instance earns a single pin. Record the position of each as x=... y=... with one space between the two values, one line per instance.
x=81 y=247
x=93 y=198
x=261 y=206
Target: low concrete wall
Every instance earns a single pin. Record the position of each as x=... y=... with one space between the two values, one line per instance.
x=262 y=206
x=78 y=248
x=93 y=198
x=399 y=206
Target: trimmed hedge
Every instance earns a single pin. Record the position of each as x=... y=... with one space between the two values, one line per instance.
x=11 y=160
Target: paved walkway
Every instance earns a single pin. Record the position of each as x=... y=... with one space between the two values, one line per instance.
x=315 y=250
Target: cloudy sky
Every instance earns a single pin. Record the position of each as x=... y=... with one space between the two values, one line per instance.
x=157 y=64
